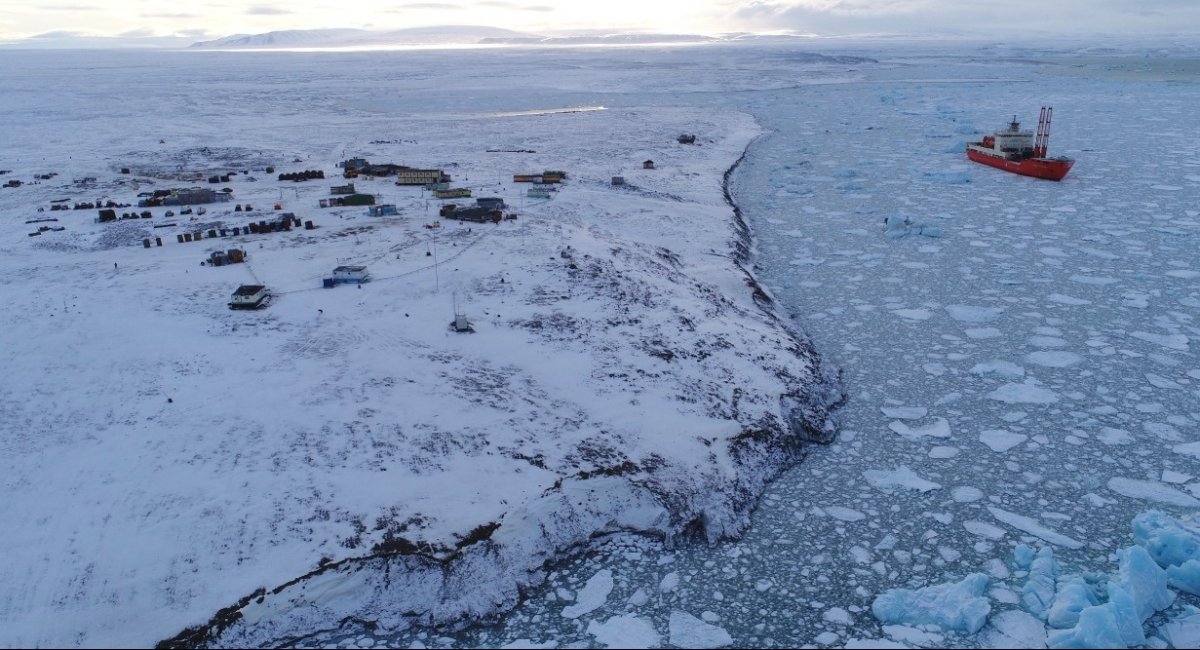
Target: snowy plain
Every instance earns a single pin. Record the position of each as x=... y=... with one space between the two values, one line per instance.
x=1022 y=371
x=166 y=457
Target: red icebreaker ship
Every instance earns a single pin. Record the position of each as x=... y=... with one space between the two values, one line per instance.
x=1021 y=152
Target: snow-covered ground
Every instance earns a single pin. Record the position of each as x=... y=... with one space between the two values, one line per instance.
x=1021 y=371
x=165 y=457
x=1026 y=376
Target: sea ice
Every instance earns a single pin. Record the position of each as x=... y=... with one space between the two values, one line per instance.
x=1038 y=592
x=984 y=529
x=1097 y=628
x=1026 y=393
x=952 y=606
x=1151 y=491
x=592 y=596
x=1053 y=358
x=904 y=412
x=1183 y=631
x=1073 y=595
x=669 y=583
x=966 y=494
x=1031 y=526
x=1005 y=369
x=1188 y=449
x=838 y=616
x=943 y=452
x=626 y=631
x=1141 y=577
x=1174 y=544
x=1171 y=341
x=939 y=428
x=974 y=313
x=999 y=440
x=901 y=477
x=687 y=631
x=1015 y=629
x=913 y=314
x=844 y=514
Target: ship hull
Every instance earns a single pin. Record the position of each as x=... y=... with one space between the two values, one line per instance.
x=1053 y=169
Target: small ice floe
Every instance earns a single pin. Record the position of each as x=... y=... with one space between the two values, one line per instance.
x=669 y=583
x=1171 y=476
x=947 y=177
x=687 y=631
x=1170 y=341
x=1114 y=436
x=901 y=477
x=943 y=452
x=913 y=314
x=1047 y=342
x=905 y=412
x=1031 y=526
x=1151 y=491
x=974 y=313
x=1053 y=358
x=1063 y=299
x=1015 y=629
x=1183 y=274
x=939 y=428
x=1005 y=369
x=592 y=596
x=1027 y=393
x=842 y=513
x=837 y=616
x=1188 y=449
x=1158 y=381
x=952 y=606
x=966 y=494
x=626 y=631
x=1183 y=631
x=984 y=529
x=999 y=440
x=900 y=226
x=1093 y=280
x=1163 y=431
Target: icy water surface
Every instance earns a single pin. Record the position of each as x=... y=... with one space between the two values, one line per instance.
x=1020 y=366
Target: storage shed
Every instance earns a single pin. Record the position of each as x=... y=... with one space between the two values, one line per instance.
x=385 y=210
x=249 y=296
x=350 y=274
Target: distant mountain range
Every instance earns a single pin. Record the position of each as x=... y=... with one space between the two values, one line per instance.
x=321 y=38
x=443 y=35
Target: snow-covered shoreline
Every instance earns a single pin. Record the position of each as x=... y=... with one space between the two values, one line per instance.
x=625 y=374
x=402 y=586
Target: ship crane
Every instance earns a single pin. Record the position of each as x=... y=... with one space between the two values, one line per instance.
x=1042 y=141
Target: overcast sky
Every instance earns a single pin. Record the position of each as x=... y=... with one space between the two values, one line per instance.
x=202 y=19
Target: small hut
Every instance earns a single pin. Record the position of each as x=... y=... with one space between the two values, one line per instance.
x=356 y=274
x=249 y=296
x=648 y=164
